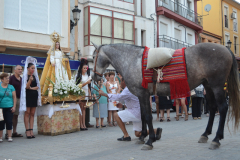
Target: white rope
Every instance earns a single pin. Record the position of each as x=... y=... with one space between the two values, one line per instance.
x=160 y=74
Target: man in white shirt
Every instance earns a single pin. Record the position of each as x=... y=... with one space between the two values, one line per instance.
x=132 y=113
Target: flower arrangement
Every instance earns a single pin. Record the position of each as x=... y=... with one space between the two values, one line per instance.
x=63 y=88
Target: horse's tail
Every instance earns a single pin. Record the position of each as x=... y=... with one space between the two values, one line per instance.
x=233 y=87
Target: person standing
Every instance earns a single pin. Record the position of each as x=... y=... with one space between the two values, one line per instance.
x=165 y=103
x=197 y=102
x=183 y=104
x=16 y=81
x=83 y=76
x=102 y=103
x=30 y=95
x=112 y=88
x=7 y=104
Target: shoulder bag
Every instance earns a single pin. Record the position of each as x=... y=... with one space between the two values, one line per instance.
x=1 y=113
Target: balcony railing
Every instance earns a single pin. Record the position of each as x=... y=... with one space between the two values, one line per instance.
x=235 y=26
x=169 y=42
x=181 y=10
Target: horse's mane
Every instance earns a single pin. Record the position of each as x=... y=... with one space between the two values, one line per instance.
x=127 y=45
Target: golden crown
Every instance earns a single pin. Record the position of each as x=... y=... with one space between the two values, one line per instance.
x=55 y=37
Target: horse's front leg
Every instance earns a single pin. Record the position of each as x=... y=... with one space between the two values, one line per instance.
x=144 y=128
x=147 y=118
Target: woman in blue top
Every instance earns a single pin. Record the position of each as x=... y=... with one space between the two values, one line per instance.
x=102 y=104
x=7 y=104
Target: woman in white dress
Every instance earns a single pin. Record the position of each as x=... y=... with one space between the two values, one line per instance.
x=112 y=88
x=56 y=60
x=84 y=78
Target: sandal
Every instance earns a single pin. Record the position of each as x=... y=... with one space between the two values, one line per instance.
x=168 y=119
x=157 y=119
x=109 y=124
x=103 y=126
x=1 y=140
x=161 y=119
x=10 y=139
x=114 y=123
x=28 y=137
x=186 y=117
x=16 y=135
x=199 y=117
x=177 y=117
x=32 y=135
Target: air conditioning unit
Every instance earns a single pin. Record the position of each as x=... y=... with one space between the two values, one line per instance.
x=233 y=15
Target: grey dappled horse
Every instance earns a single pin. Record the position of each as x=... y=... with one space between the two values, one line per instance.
x=207 y=63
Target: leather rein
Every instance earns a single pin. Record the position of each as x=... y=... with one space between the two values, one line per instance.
x=95 y=65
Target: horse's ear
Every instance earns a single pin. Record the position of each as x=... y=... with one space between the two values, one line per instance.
x=94 y=45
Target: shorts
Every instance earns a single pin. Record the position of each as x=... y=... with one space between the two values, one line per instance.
x=127 y=116
x=17 y=107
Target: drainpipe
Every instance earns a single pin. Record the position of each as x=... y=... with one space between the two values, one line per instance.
x=154 y=23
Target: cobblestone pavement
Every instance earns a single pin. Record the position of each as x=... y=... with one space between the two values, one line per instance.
x=179 y=141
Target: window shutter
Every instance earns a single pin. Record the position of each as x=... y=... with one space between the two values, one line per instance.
x=34 y=17
x=11 y=14
x=177 y=34
x=163 y=29
x=55 y=17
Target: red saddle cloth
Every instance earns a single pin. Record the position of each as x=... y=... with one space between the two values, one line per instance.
x=174 y=73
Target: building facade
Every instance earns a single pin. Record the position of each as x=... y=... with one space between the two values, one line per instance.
x=231 y=17
x=178 y=23
x=25 y=29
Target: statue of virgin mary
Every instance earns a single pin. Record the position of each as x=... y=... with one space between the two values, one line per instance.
x=57 y=66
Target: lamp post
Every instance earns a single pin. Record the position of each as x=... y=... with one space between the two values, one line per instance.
x=76 y=16
x=229 y=44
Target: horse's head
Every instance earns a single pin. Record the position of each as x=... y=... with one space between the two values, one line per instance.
x=101 y=62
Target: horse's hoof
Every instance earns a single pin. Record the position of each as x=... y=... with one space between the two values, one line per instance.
x=214 y=145
x=203 y=139
x=147 y=147
x=140 y=142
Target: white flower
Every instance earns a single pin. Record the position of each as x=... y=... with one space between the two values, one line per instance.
x=65 y=92
x=79 y=92
x=61 y=92
x=74 y=91
x=55 y=90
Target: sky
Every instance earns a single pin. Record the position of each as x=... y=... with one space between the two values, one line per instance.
x=238 y=1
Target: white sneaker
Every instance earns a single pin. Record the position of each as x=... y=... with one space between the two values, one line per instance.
x=1 y=140
x=10 y=139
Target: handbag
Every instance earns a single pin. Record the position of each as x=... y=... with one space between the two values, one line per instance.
x=1 y=113
x=193 y=93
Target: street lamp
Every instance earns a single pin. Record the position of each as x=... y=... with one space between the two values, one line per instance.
x=76 y=16
x=229 y=44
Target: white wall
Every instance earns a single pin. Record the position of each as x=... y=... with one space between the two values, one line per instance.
x=32 y=37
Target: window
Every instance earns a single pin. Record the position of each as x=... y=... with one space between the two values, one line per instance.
x=189 y=38
x=163 y=29
x=42 y=16
x=189 y=7
x=235 y=26
x=235 y=45
x=226 y=16
x=105 y=25
x=129 y=1
x=143 y=38
x=176 y=6
x=226 y=39
x=177 y=33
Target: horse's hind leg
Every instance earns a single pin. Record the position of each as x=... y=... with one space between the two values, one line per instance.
x=223 y=108
x=213 y=108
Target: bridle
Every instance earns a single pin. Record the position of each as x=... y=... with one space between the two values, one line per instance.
x=95 y=63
